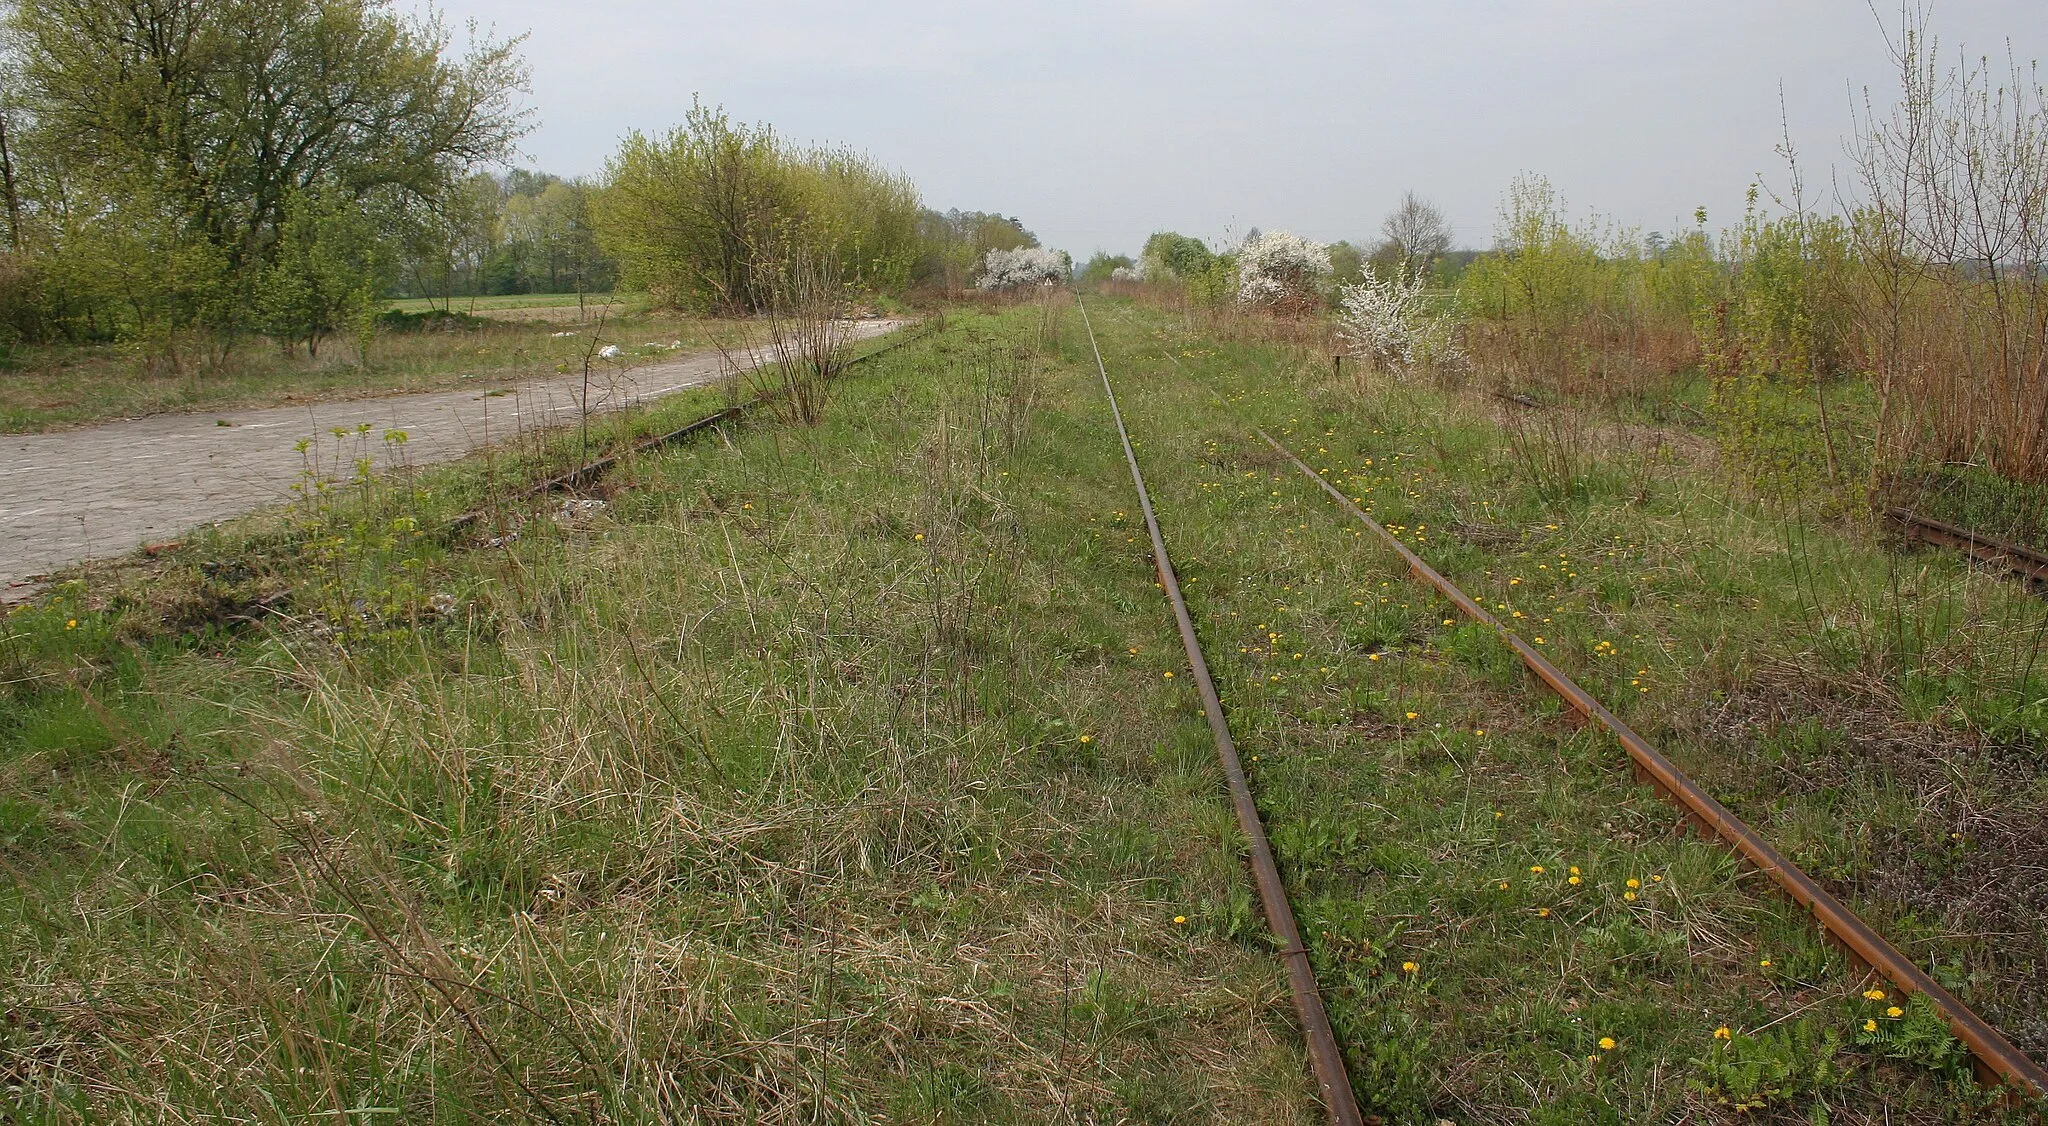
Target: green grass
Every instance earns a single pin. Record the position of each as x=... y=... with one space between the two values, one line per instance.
x=836 y=774
x=52 y=387
x=812 y=779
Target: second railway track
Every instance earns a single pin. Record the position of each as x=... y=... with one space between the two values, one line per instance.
x=1995 y=1058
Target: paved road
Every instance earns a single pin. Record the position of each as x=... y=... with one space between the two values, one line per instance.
x=106 y=490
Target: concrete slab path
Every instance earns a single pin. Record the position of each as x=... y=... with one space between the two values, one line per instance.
x=106 y=490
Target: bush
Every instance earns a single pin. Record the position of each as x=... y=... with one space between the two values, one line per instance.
x=695 y=216
x=1026 y=265
x=1391 y=322
x=1282 y=272
x=1170 y=256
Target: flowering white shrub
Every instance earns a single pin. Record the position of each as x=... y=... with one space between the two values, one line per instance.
x=1391 y=322
x=1026 y=265
x=1278 y=267
x=1129 y=273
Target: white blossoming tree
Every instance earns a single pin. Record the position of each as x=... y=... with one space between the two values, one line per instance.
x=1024 y=266
x=1389 y=321
x=1278 y=270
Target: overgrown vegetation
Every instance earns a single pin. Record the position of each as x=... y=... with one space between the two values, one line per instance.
x=799 y=779
x=835 y=771
x=1921 y=296
x=694 y=216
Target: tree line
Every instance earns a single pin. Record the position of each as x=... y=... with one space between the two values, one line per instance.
x=191 y=175
x=520 y=232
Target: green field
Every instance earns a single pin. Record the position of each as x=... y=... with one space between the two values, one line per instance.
x=852 y=772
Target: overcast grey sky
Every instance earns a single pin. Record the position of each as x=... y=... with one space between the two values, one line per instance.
x=1099 y=122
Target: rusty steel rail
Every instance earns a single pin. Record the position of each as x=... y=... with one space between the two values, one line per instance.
x=2018 y=558
x=1994 y=1055
x=1325 y=1057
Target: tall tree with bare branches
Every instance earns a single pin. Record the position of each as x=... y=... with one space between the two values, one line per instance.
x=1415 y=233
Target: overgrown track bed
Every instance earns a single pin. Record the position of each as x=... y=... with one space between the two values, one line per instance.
x=590 y=471
x=1327 y=1059
x=1997 y=1060
x=1504 y=925
x=2017 y=558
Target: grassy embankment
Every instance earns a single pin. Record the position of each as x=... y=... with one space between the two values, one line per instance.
x=839 y=773
x=49 y=387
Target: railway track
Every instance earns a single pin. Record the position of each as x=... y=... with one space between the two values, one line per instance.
x=1996 y=1060
x=1325 y=1057
x=2017 y=558
x=591 y=471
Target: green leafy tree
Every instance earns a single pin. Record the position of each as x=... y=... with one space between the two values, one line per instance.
x=696 y=215
x=1171 y=254
x=1099 y=268
x=329 y=271
x=1347 y=264
x=685 y=213
x=187 y=133
x=957 y=242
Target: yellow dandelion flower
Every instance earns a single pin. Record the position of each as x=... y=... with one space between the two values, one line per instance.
x=1722 y=1033
x=1634 y=883
x=1895 y=1012
x=71 y=624
x=1087 y=738
x=1413 y=715
x=1629 y=895
x=1536 y=868
x=1543 y=912
x=1575 y=869
x=918 y=537
x=1572 y=880
x=1169 y=676
x=1180 y=920
x=1607 y=1044
x=1873 y=995
x=1766 y=963
x=1409 y=967
x=1870 y=1026
x=1503 y=885
x=1372 y=656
